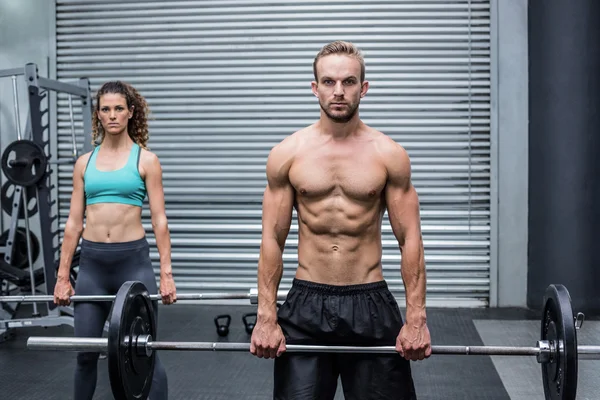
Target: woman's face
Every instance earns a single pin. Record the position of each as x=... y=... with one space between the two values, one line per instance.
x=113 y=113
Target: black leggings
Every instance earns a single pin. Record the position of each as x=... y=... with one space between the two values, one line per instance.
x=103 y=268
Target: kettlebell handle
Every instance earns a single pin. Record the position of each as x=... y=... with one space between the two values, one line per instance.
x=249 y=325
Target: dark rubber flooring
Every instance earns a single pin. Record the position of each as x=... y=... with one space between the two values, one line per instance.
x=48 y=375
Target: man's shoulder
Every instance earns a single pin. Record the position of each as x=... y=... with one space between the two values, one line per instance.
x=291 y=143
x=386 y=146
x=393 y=155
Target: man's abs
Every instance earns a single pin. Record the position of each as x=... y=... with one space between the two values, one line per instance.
x=112 y=223
x=340 y=251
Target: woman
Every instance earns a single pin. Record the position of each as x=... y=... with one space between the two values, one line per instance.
x=109 y=186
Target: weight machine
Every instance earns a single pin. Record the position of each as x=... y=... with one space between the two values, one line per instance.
x=26 y=164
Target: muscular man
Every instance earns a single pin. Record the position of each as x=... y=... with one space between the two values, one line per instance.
x=340 y=175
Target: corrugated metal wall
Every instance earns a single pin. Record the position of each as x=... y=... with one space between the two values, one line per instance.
x=227 y=80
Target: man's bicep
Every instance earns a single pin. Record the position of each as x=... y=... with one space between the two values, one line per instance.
x=278 y=204
x=403 y=212
x=278 y=198
x=402 y=200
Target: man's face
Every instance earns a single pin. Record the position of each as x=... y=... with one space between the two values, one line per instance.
x=339 y=89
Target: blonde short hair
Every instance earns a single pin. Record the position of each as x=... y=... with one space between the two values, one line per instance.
x=341 y=47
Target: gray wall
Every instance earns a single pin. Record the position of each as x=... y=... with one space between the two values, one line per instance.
x=510 y=123
x=26 y=35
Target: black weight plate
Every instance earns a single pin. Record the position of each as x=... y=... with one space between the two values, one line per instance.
x=19 y=247
x=24 y=162
x=7 y=200
x=132 y=313
x=558 y=325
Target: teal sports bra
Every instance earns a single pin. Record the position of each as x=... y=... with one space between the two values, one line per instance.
x=124 y=185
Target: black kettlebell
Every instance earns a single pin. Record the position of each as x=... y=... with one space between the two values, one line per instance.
x=249 y=325
x=223 y=329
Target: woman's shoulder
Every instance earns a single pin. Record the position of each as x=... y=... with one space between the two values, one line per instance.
x=147 y=156
x=83 y=159
x=81 y=163
x=148 y=163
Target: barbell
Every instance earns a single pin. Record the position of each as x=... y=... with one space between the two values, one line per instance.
x=131 y=347
x=252 y=295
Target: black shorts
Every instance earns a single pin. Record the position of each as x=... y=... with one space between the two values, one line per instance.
x=355 y=315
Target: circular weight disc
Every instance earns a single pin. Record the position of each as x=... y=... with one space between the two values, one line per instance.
x=32 y=162
x=139 y=361
x=558 y=325
x=132 y=312
x=8 y=194
x=19 y=247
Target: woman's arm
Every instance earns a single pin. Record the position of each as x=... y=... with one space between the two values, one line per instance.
x=72 y=233
x=156 y=199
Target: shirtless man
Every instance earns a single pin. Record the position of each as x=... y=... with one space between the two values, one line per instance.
x=340 y=175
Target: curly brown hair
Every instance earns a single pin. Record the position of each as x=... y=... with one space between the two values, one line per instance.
x=137 y=128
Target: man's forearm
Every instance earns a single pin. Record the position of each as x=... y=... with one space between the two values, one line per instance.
x=415 y=280
x=270 y=271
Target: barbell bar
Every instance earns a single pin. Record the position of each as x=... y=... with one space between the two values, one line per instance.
x=131 y=348
x=252 y=295
x=143 y=344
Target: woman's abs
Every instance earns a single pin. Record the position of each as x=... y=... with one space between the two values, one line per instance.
x=112 y=222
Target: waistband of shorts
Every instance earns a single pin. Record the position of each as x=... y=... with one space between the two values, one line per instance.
x=115 y=246
x=324 y=288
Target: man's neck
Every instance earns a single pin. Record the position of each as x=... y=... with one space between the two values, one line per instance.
x=338 y=130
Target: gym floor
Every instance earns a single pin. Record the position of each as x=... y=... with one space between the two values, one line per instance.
x=48 y=375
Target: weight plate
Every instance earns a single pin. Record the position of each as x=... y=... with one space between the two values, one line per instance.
x=19 y=247
x=8 y=194
x=24 y=162
x=132 y=313
x=558 y=325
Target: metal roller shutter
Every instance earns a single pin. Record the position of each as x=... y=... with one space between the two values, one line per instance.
x=226 y=80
